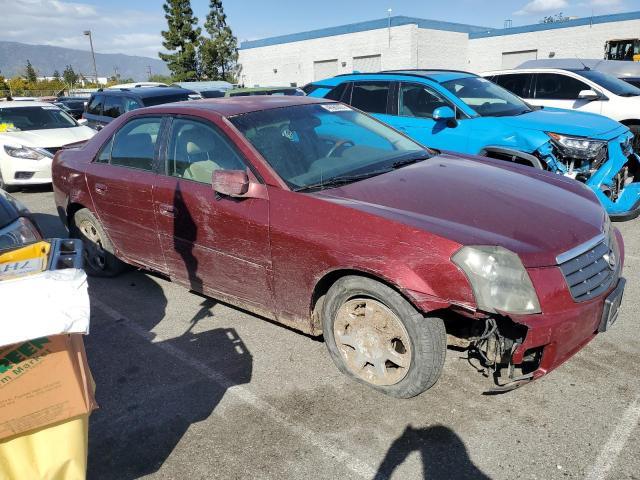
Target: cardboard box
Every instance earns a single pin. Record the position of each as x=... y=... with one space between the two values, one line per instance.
x=42 y=382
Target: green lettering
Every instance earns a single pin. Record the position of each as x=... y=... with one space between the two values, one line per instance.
x=4 y=365
x=26 y=349
x=17 y=371
x=14 y=357
x=39 y=343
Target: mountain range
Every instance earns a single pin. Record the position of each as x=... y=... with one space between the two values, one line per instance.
x=45 y=59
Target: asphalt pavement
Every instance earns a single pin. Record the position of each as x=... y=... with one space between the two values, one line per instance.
x=191 y=388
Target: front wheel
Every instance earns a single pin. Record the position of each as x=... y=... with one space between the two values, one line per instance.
x=100 y=260
x=375 y=336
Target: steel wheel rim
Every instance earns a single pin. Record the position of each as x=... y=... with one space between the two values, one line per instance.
x=373 y=341
x=94 y=252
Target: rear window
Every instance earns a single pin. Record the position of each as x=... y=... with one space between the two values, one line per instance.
x=151 y=101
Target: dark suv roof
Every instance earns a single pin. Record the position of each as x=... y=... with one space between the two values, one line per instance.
x=144 y=92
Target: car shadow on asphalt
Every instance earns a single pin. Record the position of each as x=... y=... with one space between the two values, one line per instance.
x=441 y=450
x=149 y=395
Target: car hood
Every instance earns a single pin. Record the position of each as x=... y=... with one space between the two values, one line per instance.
x=567 y=122
x=55 y=137
x=477 y=201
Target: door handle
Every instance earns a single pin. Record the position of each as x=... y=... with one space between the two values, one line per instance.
x=168 y=210
x=100 y=188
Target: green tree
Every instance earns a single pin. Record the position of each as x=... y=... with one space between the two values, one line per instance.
x=181 y=38
x=70 y=77
x=218 y=52
x=56 y=75
x=30 y=73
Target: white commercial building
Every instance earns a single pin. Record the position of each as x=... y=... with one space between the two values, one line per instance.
x=406 y=42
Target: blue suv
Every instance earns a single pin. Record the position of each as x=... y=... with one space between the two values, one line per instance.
x=462 y=112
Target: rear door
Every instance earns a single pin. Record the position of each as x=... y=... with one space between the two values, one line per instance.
x=562 y=91
x=211 y=243
x=120 y=181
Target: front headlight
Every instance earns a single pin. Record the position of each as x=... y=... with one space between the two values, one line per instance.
x=499 y=280
x=21 y=232
x=577 y=147
x=27 y=153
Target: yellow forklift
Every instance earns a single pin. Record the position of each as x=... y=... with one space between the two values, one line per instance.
x=623 y=49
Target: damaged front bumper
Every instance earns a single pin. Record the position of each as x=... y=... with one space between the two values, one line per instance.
x=615 y=179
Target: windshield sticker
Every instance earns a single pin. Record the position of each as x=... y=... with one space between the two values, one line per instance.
x=335 y=107
x=7 y=127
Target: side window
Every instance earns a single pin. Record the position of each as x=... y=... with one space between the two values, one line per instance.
x=105 y=152
x=196 y=149
x=517 y=83
x=553 y=86
x=113 y=107
x=370 y=97
x=337 y=92
x=419 y=101
x=131 y=104
x=134 y=144
x=95 y=105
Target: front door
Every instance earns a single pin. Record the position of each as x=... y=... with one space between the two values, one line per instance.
x=416 y=104
x=562 y=91
x=212 y=244
x=120 y=182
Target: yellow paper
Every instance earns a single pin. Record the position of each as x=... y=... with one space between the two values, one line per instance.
x=57 y=452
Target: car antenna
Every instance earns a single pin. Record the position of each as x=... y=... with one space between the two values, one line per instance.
x=583 y=64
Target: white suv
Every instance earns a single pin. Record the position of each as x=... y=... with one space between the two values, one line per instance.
x=575 y=89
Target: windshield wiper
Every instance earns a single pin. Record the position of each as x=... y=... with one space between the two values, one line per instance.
x=409 y=161
x=341 y=180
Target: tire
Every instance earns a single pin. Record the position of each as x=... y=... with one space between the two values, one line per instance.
x=5 y=187
x=635 y=129
x=385 y=314
x=99 y=256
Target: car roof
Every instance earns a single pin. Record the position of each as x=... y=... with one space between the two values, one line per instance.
x=260 y=89
x=619 y=68
x=144 y=92
x=26 y=103
x=230 y=106
x=435 y=75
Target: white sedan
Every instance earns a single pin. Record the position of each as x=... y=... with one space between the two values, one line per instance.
x=30 y=134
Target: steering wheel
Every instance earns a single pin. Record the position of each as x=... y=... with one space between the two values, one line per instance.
x=340 y=144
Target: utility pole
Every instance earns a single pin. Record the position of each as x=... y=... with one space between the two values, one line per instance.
x=93 y=55
x=149 y=72
x=389 y=24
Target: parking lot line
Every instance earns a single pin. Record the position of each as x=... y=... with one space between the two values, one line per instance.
x=326 y=446
x=618 y=439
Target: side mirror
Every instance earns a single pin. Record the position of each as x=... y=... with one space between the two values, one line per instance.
x=588 y=95
x=233 y=183
x=82 y=121
x=445 y=114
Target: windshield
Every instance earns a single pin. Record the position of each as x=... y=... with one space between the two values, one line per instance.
x=611 y=83
x=35 y=118
x=314 y=146
x=486 y=98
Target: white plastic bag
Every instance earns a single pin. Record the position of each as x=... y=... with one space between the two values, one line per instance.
x=49 y=303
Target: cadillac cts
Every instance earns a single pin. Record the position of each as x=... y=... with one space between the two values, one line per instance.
x=318 y=216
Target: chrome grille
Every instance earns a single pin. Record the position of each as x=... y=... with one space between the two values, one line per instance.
x=590 y=270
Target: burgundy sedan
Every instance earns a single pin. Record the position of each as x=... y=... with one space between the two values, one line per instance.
x=318 y=216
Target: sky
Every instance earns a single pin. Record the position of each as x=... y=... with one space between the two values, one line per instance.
x=133 y=27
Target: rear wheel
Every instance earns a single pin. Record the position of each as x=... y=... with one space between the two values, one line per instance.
x=377 y=337
x=100 y=260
